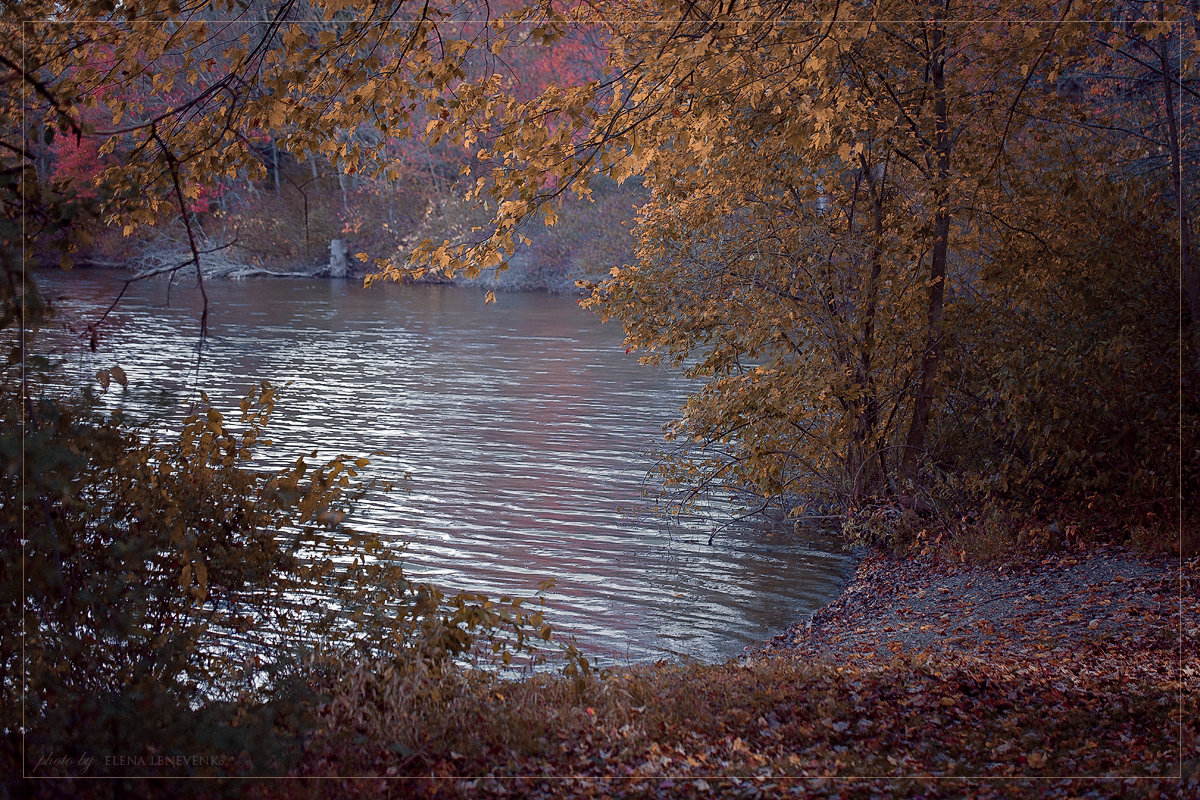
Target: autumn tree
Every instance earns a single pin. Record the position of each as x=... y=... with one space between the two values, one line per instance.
x=176 y=100
x=856 y=214
x=135 y=566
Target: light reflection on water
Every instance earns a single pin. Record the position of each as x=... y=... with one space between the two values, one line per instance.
x=524 y=426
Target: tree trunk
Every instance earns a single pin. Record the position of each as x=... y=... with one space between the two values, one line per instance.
x=337 y=258
x=914 y=445
x=870 y=464
x=1187 y=253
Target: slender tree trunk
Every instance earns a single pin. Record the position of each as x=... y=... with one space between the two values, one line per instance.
x=914 y=444
x=42 y=155
x=1187 y=253
x=870 y=462
x=388 y=189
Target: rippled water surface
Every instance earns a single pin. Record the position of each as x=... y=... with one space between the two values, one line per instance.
x=524 y=426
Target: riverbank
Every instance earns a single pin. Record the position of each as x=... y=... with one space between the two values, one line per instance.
x=524 y=273
x=1040 y=608
x=282 y=234
x=1073 y=676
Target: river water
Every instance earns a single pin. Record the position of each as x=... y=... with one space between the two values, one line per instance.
x=525 y=428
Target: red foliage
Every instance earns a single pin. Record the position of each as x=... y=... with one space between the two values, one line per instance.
x=77 y=162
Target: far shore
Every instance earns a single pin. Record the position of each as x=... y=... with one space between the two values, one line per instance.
x=514 y=279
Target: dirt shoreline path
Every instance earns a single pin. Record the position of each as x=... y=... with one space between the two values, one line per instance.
x=1076 y=618
x=1107 y=598
x=1072 y=677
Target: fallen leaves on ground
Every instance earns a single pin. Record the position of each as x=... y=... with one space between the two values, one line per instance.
x=988 y=682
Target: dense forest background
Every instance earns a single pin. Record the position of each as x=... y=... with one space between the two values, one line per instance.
x=933 y=265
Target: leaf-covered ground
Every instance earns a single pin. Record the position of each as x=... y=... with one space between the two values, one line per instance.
x=1071 y=677
x=1039 y=609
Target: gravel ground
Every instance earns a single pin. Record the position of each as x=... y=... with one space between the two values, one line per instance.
x=1108 y=598
x=1101 y=612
